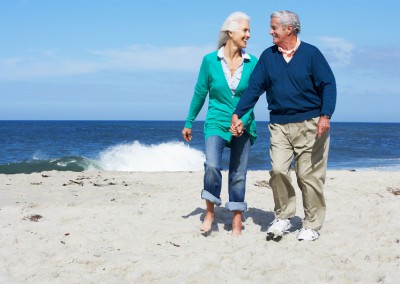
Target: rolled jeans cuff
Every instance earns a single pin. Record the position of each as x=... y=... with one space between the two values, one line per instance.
x=236 y=206
x=208 y=196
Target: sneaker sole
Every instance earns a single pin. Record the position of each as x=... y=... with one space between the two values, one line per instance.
x=307 y=240
x=300 y=240
x=271 y=237
x=275 y=235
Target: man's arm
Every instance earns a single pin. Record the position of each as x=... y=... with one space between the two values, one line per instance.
x=326 y=84
x=253 y=92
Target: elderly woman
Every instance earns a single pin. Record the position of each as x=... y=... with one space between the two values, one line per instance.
x=224 y=75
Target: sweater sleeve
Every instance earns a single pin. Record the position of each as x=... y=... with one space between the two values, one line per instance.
x=200 y=94
x=253 y=92
x=325 y=83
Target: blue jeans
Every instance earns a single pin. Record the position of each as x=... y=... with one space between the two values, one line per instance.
x=214 y=147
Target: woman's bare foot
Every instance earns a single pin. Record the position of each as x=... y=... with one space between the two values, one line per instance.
x=237 y=223
x=207 y=223
x=208 y=219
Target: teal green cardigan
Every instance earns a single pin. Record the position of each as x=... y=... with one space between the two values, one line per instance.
x=221 y=104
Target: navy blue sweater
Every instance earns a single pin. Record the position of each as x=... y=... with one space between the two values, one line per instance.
x=296 y=91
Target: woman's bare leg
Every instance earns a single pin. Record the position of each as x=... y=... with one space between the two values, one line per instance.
x=237 y=223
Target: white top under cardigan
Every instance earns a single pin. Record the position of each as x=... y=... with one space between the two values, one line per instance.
x=233 y=81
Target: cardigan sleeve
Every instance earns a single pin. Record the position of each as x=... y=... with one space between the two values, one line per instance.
x=200 y=94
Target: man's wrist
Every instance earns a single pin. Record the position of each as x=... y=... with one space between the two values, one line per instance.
x=326 y=116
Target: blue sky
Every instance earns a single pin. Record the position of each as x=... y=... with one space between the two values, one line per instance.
x=139 y=59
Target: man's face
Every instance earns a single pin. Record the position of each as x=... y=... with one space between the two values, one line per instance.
x=277 y=31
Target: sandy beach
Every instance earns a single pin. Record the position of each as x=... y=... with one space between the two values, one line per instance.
x=132 y=227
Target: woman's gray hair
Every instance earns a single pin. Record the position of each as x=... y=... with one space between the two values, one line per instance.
x=287 y=18
x=231 y=24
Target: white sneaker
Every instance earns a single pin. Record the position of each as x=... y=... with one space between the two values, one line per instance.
x=307 y=235
x=278 y=227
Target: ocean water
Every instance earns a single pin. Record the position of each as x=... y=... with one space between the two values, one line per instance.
x=35 y=146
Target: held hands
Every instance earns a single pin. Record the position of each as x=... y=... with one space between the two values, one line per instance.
x=323 y=126
x=187 y=134
x=236 y=128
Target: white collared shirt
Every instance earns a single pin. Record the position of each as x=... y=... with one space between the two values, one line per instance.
x=288 y=54
x=233 y=81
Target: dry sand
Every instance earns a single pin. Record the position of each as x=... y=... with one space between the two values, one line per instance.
x=131 y=227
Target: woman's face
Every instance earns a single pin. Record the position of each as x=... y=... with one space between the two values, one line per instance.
x=241 y=35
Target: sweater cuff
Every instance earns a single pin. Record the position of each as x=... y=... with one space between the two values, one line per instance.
x=246 y=118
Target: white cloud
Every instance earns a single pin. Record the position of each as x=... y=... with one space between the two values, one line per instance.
x=338 y=51
x=363 y=69
x=379 y=60
x=151 y=57
x=26 y=68
x=133 y=58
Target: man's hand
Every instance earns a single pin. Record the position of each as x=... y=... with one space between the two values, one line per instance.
x=236 y=126
x=324 y=124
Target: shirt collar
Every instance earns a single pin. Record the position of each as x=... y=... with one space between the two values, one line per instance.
x=291 y=51
x=221 y=55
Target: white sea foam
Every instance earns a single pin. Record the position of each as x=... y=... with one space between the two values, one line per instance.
x=39 y=155
x=170 y=156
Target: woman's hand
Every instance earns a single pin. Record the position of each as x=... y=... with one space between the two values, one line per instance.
x=187 y=134
x=236 y=128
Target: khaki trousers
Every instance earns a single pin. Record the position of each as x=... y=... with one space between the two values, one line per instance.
x=299 y=141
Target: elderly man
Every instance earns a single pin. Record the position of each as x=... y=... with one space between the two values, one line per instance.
x=301 y=94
